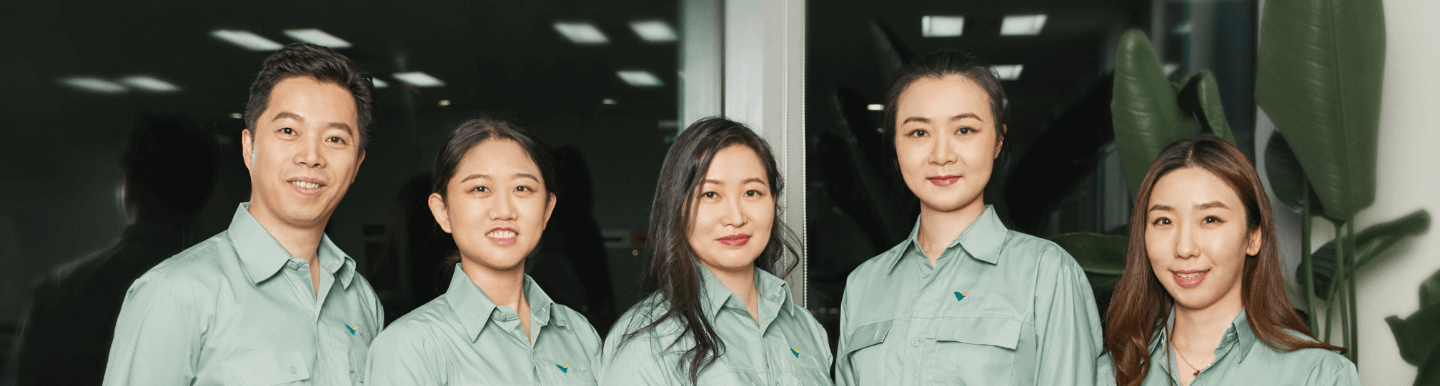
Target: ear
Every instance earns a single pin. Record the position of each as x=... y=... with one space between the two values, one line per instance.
x=359 y=161
x=1000 y=140
x=440 y=211
x=1252 y=248
x=247 y=148
x=549 y=209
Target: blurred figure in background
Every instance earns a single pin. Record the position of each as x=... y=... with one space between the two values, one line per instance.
x=583 y=274
x=168 y=171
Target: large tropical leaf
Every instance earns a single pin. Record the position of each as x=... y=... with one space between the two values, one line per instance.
x=1430 y=369
x=1416 y=335
x=1285 y=174
x=1371 y=243
x=1101 y=256
x=1430 y=291
x=1202 y=95
x=1146 y=117
x=1318 y=76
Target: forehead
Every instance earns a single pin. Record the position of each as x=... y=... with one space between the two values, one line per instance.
x=943 y=97
x=736 y=162
x=1185 y=187
x=497 y=156
x=324 y=102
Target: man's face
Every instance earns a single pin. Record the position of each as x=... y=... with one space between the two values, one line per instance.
x=303 y=152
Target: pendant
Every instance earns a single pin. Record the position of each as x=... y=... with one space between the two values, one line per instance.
x=1197 y=373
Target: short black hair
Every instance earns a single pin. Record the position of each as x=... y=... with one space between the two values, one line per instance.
x=940 y=64
x=476 y=131
x=320 y=63
x=169 y=167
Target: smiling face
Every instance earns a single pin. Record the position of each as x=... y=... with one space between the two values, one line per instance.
x=1197 y=239
x=495 y=205
x=946 y=142
x=302 y=153
x=733 y=211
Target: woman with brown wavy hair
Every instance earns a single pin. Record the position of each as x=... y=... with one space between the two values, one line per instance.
x=1202 y=299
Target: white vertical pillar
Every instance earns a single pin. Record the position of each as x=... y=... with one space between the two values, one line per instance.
x=701 y=60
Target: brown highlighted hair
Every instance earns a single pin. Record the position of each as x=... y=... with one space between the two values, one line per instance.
x=1140 y=305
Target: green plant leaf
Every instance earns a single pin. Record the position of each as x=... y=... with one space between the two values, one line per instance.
x=1372 y=243
x=1146 y=116
x=1202 y=95
x=1285 y=174
x=1416 y=335
x=1429 y=369
x=1319 y=70
x=1101 y=256
x=1430 y=291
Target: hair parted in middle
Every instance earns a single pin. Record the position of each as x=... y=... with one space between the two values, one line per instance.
x=674 y=269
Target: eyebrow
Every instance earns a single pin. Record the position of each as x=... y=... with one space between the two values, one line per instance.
x=747 y=180
x=1160 y=207
x=952 y=119
x=1201 y=206
x=487 y=176
x=297 y=117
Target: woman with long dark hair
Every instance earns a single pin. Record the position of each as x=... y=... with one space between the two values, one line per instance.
x=962 y=300
x=716 y=311
x=494 y=192
x=1202 y=299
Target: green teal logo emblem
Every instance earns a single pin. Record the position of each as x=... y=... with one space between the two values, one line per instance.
x=353 y=329
x=565 y=368
x=961 y=295
x=796 y=352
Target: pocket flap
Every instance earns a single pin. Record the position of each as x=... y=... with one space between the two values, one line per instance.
x=266 y=367
x=1000 y=332
x=867 y=335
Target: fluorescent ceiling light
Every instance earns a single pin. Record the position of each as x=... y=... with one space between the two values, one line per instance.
x=581 y=33
x=608 y=101
x=317 y=37
x=246 y=40
x=149 y=84
x=93 y=84
x=875 y=107
x=418 y=79
x=1022 y=25
x=942 y=26
x=237 y=115
x=379 y=83
x=1170 y=68
x=1007 y=71
x=639 y=78
x=654 y=31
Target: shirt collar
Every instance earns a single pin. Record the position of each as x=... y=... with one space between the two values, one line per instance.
x=474 y=307
x=981 y=240
x=767 y=286
x=1239 y=336
x=262 y=256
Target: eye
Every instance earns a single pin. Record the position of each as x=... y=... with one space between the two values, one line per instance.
x=1212 y=219
x=336 y=140
x=709 y=195
x=1161 y=221
x=480 y=189
x=523 y=188
x=288 y=131
x=753 y=193
x=917 y=133
x=965 y=130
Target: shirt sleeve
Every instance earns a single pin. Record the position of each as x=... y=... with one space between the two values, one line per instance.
x=157 y=336
x=844 y=373
x=1068 y=325
x=401 y=356
x=1344 y=376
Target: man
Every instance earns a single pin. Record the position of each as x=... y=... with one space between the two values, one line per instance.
x=270 y=300
x=71 y=319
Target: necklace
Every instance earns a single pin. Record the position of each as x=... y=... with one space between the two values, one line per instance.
x=1182 y=356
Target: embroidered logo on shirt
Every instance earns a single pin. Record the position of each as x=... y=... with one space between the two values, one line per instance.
x=565 y=368
x=961 y=295
x=796 y=352
x=353 y=329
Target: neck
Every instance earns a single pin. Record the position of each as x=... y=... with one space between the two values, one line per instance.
x=1198 y=332
x=302 y=241
x=504 y=287
x=741 y=282
x=938 y=228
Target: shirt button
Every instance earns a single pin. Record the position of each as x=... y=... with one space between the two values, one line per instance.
x=292 y=369
x=914 y=342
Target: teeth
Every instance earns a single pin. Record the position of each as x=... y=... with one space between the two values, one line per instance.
x=1189 y=275
x=305 y=184
x=501 y=234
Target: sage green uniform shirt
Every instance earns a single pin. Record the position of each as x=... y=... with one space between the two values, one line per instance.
x=237 y=309
x=997 y=308
x=1242 y=359
x=788 y=347
x=463 y=338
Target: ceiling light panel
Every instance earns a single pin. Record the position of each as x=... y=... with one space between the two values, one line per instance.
x=640 y=78
x=149 y=84
x=654 y=31
x=581 y=33
x=317 y=37
x=1007 y=71
x=418 y=79
x=942 y=26
x=93 y=84
x=1022 y=25
x=379 y=83
x=246 y=40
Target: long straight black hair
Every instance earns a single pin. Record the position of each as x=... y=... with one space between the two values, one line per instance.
x=674 y=270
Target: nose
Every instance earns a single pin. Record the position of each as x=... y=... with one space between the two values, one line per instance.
x=1185 y=246
x=309 y=154
x=733 y=216
x=503 y=208
x=942 y=152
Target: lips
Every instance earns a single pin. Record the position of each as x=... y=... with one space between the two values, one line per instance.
x=734 y=240
x=502 y=235
x=1190 y=278
x=306 y=186
x=943 y=181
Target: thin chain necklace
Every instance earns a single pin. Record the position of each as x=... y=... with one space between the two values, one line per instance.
x=1182 y=356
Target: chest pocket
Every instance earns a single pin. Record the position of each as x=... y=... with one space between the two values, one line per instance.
x=864 y=351
x=274 y=366
x=573 y=372
x=977 y=351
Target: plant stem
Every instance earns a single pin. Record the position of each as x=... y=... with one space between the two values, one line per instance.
x=1354 y=300
x=1306 y=258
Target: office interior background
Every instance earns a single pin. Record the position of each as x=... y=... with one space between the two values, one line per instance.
x=609 y=84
